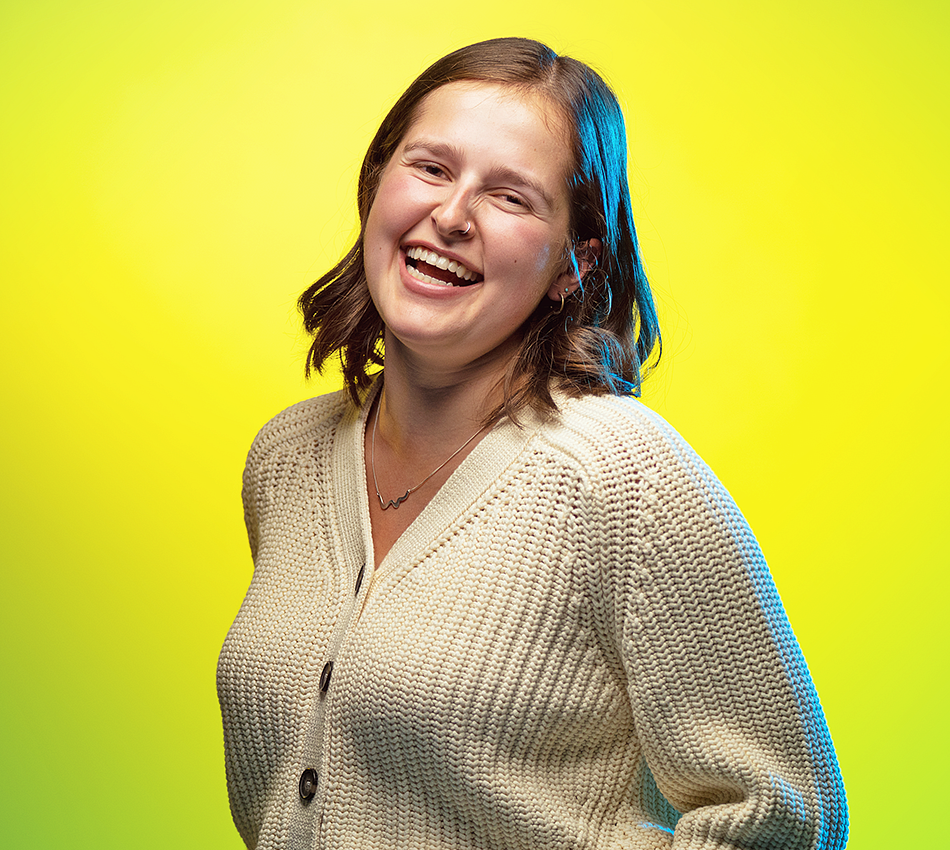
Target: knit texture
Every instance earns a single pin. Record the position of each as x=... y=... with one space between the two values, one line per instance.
x=577 y=644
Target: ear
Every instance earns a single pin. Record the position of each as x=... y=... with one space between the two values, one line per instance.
x=585 y=257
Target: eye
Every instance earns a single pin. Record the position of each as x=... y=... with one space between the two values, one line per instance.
x=510 y=199
x=431 y=169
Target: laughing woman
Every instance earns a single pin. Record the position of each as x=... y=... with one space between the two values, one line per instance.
x=497 y=603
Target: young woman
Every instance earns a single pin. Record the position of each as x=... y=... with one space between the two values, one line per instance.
x=497 y=603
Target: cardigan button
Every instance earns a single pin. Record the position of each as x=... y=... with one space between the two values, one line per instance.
x=308 y=784
x=359 y=579
x=325 y=676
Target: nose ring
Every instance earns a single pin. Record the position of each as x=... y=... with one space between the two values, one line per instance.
x=467 y=229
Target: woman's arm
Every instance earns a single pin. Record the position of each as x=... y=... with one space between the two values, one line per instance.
x=727 y=715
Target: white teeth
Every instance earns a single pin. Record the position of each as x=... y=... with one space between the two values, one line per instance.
x=416 y=252
x=420 y=276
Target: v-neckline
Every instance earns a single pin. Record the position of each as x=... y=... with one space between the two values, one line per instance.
x=480 y=469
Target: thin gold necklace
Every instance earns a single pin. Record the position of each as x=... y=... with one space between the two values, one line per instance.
x=395 y=503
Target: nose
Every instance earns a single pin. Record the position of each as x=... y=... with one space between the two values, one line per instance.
x=453 y=216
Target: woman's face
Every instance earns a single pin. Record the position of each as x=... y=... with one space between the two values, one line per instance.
x=468 y=229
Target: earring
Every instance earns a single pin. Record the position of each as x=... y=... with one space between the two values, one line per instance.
x=560 y=309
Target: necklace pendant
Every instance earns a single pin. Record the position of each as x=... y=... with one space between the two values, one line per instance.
x=392 y=503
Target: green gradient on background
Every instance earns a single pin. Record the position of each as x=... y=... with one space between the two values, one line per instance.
x=177 y=175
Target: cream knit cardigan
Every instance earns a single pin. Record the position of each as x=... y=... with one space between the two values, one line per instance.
x=577 y=644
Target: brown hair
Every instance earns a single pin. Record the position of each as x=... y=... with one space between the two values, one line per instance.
x=602 y=341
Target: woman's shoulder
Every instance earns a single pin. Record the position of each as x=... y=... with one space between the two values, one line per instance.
x=611 y=427
x=620 y=443
x=301 y=423
x=642 y=472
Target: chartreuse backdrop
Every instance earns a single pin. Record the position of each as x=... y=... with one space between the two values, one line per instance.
x=175 y=173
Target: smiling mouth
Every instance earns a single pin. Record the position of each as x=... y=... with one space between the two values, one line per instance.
x=430 y=267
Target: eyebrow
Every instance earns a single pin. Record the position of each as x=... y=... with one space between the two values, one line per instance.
x=499 y=172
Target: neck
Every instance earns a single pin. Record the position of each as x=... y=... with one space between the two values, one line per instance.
x=427 y=410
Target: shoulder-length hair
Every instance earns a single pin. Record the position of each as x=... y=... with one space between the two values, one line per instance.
x=602 y=341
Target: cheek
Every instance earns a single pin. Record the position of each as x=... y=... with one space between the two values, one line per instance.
x=526 y=247
x=540 y=260
x=543 y=266
x=386 y=222
x=379 y=219
x=375 y=240
x=396 y=204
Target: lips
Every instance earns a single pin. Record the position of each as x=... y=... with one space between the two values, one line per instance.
x=431 y=267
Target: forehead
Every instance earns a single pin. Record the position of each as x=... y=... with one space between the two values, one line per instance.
x=499 y=118
x=467 y=93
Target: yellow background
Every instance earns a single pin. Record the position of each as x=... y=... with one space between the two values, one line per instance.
x=176 y=173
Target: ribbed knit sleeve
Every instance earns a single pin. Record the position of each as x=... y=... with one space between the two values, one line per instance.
x=262 y=671
x=250 y=491
x=307 y=420
x=729 y=722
